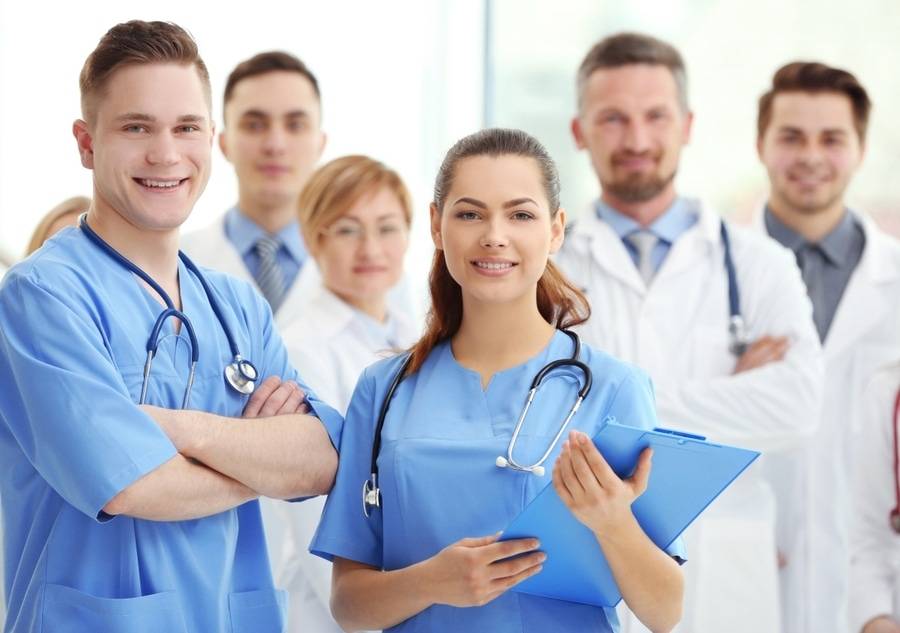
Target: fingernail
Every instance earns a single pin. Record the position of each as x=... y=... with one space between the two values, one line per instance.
x=542 y=558
x=535 y=544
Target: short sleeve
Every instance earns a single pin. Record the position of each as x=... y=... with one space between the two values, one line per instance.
x=344 y=530
x=277 y=363
x=634 y=405
x=66 y=405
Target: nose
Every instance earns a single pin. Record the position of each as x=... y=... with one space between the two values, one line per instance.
x=494 y=236
x=163 y=150
x=812 y=154
x=275 y=140
x=370 y=245
x=637 y=136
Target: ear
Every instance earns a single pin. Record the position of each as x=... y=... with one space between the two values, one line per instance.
x=557 y=231
x=577 y=132
x=223 y=145
x=85 y=143
x=688 y=127
x=436 y=227
x=323 y=141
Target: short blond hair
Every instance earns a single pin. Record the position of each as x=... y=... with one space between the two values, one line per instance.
x=76 y=204
x=339 y=184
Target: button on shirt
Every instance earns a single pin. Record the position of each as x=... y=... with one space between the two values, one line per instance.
x=826 y=265
x=244 y=233
x=668 y=227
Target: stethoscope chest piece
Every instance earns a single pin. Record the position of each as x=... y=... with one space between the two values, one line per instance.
x=241 y=374
x=371 y=495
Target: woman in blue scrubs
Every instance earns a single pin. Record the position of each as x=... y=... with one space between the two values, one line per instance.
x=498 y=305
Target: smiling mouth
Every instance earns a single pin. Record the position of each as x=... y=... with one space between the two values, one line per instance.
x=154 y=184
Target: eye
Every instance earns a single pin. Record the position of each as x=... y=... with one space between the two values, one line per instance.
x=467 y=215
x=612 y=117
x=346 y=231
x=522 y=215
x=253 y=125
x=296 y=125
x=189 y=128
x=135 y=128
x=389 y=229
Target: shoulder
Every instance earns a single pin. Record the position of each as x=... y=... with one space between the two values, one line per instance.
x=612 y=369
x=199 y=239
x=61 y=267
x=755 y=246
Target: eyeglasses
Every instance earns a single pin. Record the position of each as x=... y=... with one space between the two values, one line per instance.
x=353 y=233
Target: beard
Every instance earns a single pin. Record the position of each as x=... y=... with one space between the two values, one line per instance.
x=637 y=187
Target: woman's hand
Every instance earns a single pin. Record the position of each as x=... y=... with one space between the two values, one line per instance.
x=591 y=489
x=474 y=571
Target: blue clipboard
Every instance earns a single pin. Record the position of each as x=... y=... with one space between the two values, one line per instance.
x=688 y=473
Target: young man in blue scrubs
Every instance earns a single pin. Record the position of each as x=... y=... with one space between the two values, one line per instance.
x=119 y=516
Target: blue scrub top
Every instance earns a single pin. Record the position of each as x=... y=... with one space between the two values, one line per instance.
x=438 y=476
x=73 y=334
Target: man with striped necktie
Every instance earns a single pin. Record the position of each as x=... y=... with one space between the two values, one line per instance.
x=273 y=138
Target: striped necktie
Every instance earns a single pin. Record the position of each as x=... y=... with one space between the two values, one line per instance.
x=644 y=242
x=269 y=277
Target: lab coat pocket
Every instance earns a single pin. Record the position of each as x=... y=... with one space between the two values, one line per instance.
x=261 y=611
x=67 y=609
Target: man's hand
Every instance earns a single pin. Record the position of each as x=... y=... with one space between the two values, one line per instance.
x=762 y=351
x=276 y=397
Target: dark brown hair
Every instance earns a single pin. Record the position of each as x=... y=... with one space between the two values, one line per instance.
x=268 y=62
x=558 y=301
x=137 y=42
x=625 y=49
x=816 y=78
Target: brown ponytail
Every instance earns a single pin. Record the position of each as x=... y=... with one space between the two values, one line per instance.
x=558 y=301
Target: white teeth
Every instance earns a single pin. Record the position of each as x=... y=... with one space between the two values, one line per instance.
x=160 y=184
x=494 y=265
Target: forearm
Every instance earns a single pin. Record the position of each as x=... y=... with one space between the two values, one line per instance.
x=772 y=407
x=651 y=582
x=179 y=490
x=364 y=598
x=283 y=457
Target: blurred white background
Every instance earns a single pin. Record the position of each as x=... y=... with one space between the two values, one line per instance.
x=402 y=80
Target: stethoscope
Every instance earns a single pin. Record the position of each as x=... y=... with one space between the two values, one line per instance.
x=737 y=332
x=240 y=373
x=371 y=493
x=895 y=513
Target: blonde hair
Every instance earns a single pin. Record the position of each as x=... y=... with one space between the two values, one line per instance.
x=337 y=185
x=76 y=204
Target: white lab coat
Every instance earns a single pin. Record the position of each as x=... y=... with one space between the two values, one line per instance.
x=330 y=344
x=677 y=330
x=812 y=481
x=875 y=547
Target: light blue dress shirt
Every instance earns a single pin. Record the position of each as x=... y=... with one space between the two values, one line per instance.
x=439 y=479
x=73 y=332
x=668 y=227
x=244 y=233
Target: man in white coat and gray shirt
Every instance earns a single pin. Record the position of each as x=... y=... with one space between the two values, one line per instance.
x=811 y=138
x=653 y=266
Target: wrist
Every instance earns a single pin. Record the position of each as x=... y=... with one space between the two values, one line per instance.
x=426 y=583
x=198 y=431
x=618 y=530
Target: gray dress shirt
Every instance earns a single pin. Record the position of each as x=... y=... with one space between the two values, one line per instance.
x=826 y=265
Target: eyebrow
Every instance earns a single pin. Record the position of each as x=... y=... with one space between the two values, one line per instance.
x=146 y=118
x=506 y=205
x=796 y=130
x=261 y=114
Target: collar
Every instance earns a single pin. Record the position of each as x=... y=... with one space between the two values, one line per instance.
x=837 y=246
x=678 y=218
x=244 y=233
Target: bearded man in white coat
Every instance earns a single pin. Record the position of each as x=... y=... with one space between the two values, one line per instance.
x=652 y=264
x=811 y=138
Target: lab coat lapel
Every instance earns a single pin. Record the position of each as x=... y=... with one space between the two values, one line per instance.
x=695 y=244
x=865 y=302
x=608 y=251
